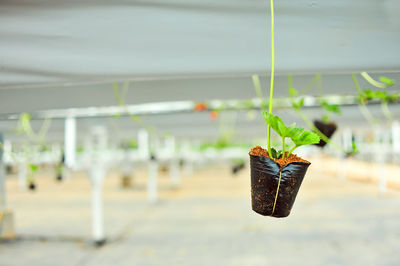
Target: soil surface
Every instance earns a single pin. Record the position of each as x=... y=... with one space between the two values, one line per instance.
x=259 y=151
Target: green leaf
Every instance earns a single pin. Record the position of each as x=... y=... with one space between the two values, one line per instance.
x=295 y=132
x=387 y=81
x=325 y=118
x=333 y=108
x=33 y=167
x=298 y=104
x=381 y=95
x=306 y=138
x=276 y=154
x=275 y=123
x=293 y=92
x=369 y=94
x=279 y=127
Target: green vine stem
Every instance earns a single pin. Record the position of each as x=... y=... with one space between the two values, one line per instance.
x=386 y=111
x=363 y=108
x=271 y=90
x=308 y=122
x=373 y=82
x=309 y=86
x=121 y=102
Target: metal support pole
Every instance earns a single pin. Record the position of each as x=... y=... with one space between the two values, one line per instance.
x=7 y=230
x=187 y=159
x=396 y=140
x=70 y=142
x=347 y=144
x=22 y=168
x=97 y=174
x=381 y=159
x=152 y=181
x=174 y=162
x=143 y=143
x=2 y=179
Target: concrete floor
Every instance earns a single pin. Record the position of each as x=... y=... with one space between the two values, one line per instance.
x=208 y=221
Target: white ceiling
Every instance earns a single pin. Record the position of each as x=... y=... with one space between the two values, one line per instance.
x=52 y=42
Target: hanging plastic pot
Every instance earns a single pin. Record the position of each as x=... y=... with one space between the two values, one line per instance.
x=59 y=177
x=126 y=181
x=237 y=167
x=32 y=186
x=326 y=128
x=274 y=188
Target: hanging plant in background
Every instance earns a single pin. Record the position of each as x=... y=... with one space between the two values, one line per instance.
x=276 y=174
x=298 y=103
x=326 y=126
x=383 y=96
x=30 y=176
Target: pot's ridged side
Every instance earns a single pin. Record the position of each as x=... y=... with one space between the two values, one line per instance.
x=265 y=174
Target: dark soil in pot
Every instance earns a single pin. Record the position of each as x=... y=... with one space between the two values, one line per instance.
x=326 y=128
x=275 y=182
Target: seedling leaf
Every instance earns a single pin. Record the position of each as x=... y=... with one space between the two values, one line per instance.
x=293 y=92
x=333 y=108
x=33 y=167
x=306 y=138
x=387 y=81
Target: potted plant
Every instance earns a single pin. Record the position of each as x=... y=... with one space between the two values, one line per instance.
x=325 y=125
x=30 y=177
x=276 y=175
x=364 y=96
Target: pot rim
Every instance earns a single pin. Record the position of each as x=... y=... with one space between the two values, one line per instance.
x=301 y=163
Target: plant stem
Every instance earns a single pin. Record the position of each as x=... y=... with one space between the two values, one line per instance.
x=386 y=111
x=373 y=82
x=363 y=108
x=311 y=83
x=271 y=90
x=290 y=152
x=283 y=148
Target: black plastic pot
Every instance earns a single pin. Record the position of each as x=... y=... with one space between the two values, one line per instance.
x=274 y=189
x=59 y=178
x=32 y=186
x=236 y=168
x=326 y=128
x=126 y=181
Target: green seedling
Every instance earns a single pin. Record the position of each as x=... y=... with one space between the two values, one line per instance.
x=33 y=168
x=367 y=95
x=298 y=135
x=330 y=109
